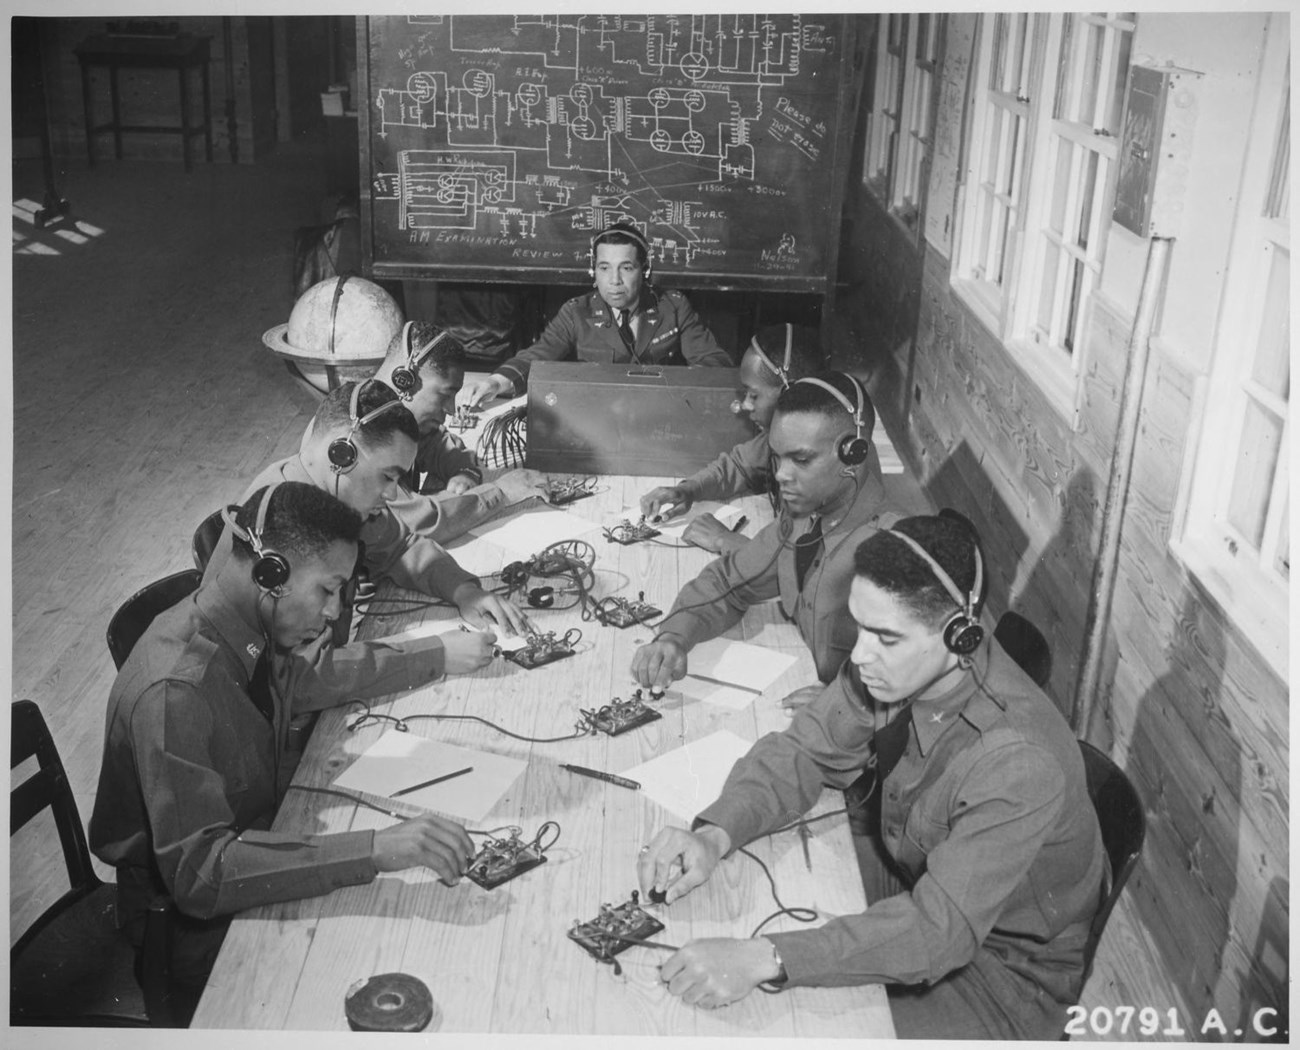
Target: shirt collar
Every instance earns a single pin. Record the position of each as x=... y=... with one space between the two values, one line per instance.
x=231 y=616
x=602 y=313
x=965 y=700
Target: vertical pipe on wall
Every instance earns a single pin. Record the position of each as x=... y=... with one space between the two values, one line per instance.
x=1117 y=488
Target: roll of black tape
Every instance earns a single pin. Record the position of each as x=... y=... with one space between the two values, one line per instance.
x=389 y=1002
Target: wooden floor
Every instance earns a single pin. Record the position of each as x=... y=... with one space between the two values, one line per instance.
x=144 y=399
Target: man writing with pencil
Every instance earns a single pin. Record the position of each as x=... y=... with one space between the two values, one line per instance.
x=193 y=771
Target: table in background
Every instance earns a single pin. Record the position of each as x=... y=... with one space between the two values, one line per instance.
x=182 y=53
x=500 y=960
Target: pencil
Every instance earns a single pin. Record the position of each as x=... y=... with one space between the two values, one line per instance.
x=430 y=783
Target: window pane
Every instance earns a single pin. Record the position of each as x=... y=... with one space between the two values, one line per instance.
x=1060 y=186
x=1261 y=439
x=1273 y=354
x=1065 y=99
x=1118 y=74
x=1086 y=194
x=1078 y=273
x=1047 y=286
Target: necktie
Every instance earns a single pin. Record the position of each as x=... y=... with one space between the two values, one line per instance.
x=888 y=745
x=805 y=551
x=625 y=329
x=259 y=686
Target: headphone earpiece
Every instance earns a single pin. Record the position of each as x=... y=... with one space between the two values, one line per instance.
x=406 y=378
x=343 y=451
x=271 y=568
x=963 y=632
x=853 y=449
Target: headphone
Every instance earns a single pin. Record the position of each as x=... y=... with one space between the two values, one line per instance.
x=343 y=451
x=853 y=451
x=963 y=632
x=628 y=231
x=271 y=569
x=406 y=378
x=783 y=372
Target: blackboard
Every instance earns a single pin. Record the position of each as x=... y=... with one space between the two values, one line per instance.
x=492 y=146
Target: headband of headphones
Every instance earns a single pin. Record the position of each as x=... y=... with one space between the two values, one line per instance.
x=343 y=451
x=962 y=633
x=853 y=451
x=271 y=569
x=630 y=232
x=783 y=372
x=406 y=377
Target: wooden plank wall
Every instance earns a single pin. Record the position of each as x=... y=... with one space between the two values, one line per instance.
x=1189 y=710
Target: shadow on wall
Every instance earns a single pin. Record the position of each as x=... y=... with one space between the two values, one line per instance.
x=1054 y=596
x=1184 y=885
x=961 y=483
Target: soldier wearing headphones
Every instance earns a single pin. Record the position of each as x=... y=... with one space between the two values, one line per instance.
x=775 y=358
x=986 y=865
x=624 y=319
x=359 y=446
x=425 y=365
x=194 y=767
x=832 y=497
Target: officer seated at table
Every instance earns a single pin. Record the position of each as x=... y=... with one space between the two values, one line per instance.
x=986 y=865
x=425 y=365
x=192 y=771
x=360 y=443
x=624 y=319
x=832 y=496
x=776 y=357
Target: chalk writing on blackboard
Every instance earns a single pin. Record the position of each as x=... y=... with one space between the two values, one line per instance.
x=507 y=140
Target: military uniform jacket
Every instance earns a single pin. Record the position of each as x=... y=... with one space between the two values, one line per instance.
x=670 y=332
x=193 y=772
x=986 y=814
x=764 y=568
x=740 y=470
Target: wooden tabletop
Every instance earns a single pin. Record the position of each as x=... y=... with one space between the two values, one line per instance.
x=500 y=960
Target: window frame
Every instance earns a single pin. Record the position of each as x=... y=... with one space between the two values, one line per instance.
x=1251 y=593
x=900 y=126
x=1018 y=182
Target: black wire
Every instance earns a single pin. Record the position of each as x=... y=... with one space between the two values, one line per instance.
x=369 y=717
x=734 y=587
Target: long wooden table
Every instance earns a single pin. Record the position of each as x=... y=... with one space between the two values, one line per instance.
x=500 y=960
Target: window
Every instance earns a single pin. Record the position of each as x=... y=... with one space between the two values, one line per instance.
x=1040 y=180
x=900 y=125
x=1235 y=535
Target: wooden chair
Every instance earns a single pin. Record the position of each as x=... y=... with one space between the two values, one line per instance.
x=1123 y=830
x=135 y=615
x=72 y=966
x=205 y=539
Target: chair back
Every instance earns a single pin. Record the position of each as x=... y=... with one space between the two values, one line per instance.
x=1025 y=644
x=205 y=539
x=1123 y=830
x=138 y=612
x=46 y=788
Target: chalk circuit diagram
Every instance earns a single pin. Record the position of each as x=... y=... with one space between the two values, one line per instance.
x=503 y=122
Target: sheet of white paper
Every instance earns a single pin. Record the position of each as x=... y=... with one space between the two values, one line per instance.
x=478 y=556
x=728 y=696
x=398 y=760
x=423 y=630
x=737 y=663
x=726 y=513
x=532 y=531
x=686 y=780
